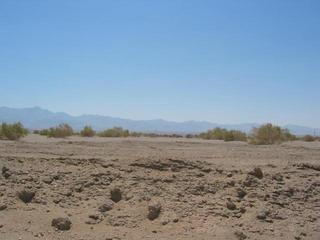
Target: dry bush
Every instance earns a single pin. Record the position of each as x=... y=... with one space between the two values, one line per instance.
x=44 y=132
x=61 y=131
x=308 y=138
x=136 y=134
x=12 y=131
x=115 y=132
x=87 y=131
x=224 y=134
x=270 y=134
x=235 y=135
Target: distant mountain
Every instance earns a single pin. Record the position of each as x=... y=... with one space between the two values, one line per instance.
x=38 y=118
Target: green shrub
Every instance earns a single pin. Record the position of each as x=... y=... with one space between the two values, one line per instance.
x=115 y=132
x=270 y=134
x=87 y=131
x=12 y=131
x=224 y=134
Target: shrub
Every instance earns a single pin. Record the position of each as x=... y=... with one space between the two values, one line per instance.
x=308 y=138
x=115 y=132
x=190 y=136
x=224 y=134
x=61 y=131
x=136 y=134
x=217 y=134
x=44 y=132
x=87 y=131
x=12 y=131
x=235 y=135
x=270 y=134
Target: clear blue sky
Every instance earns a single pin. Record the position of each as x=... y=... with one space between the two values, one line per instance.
x=222 y=61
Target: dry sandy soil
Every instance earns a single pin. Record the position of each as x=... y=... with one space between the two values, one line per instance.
x=190 y=189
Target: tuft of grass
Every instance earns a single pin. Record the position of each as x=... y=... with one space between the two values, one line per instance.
x=12 y=131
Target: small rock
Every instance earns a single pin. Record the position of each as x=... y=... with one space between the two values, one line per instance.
x=26 y=196
x=154 y=211
x=250 y=181
x=262 y=215
x=241 y=193
x=62 y=224
x=116 y=194
x=5 y=169
x=278 y=177
x=165 y=222
x=231 y=183
x=106 y=206
x=6 y=172
x=240 y=235
x=94 y=218
x=243 y=210
x=78 y=188
x=230 y=205
x=2 y=207
x=47 y=180
x=257 y=172
x=229 y=174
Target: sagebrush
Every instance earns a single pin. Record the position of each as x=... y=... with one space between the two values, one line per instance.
x=12 y=131
x=224 y=134
x=61 y=131
x=115 y=132
x=87 y=131
x=270 y=134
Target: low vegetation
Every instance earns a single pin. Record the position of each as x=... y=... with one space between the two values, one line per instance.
x=115 y=132
x=87 y=131
x=309 y=138
x=61 y=131
x=263 y=135
x=12 y=131
x=224 y=134
x=270 y=134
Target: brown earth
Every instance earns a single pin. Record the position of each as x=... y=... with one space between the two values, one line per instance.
x=158 y=188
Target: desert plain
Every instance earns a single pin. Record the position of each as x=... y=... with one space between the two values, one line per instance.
x=158 y=188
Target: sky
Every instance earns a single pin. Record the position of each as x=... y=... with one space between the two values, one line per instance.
x=227 y=61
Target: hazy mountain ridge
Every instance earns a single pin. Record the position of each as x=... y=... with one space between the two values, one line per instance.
x=38 y=118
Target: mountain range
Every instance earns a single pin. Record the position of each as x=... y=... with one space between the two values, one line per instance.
x=38 y=118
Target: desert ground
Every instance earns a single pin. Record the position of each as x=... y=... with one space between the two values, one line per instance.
x=158 y=188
